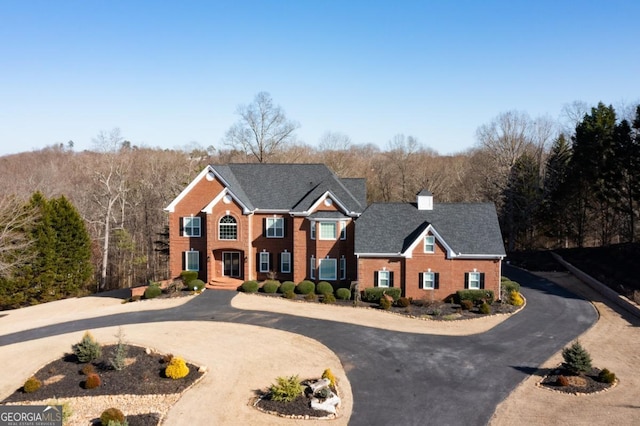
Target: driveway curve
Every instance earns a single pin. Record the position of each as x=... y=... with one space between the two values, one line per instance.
x=403 y=378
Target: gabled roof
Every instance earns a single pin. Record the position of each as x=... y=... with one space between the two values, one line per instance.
x=466 y=229
x=286 y=187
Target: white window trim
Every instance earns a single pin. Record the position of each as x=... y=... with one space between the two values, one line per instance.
x=288 y=262
x=312 y=268
x=343 y=268
x=432 y=286
x=388 y=275
x=431 y=243
x=313 y=230
x=343 y=230
x=264 y=254
x=335 y=230
x=275 y=221
x=186 y=260
x=476 y=280
x=325 y=261
x=192 y=227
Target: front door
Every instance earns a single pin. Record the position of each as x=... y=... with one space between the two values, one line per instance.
x=231 y=263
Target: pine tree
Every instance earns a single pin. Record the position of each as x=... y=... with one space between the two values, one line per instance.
x=576 y=359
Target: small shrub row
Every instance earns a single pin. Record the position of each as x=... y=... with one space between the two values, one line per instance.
x=305 y=287
x=375 y=293
x=270 y=286
x=476 y=296
x=287 y=286
x=324 y=287
x=343 y=294
x=250 y=286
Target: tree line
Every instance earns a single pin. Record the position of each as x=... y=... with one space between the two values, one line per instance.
x=553 y=186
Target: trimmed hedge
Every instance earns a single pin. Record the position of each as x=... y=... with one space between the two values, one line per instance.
x=270 y=286
x=305 y=287
x=343 y=294
x=250 y=286
x=324 y=287
x=508 y=286
x=196 y=285
x=152 y=291
x=374 y=294
x=476 y=296
x=188 y=276
x=287 y=286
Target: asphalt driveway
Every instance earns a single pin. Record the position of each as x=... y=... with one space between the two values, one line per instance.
x=402 y=378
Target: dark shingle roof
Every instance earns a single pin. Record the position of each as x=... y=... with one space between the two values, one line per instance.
x=294 y=187
x=468 y=228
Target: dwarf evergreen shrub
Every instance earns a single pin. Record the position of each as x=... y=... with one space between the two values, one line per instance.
x=270 y=286
x=324 y=287
x=152 y=291
x=177 y=368
x=92 y=381
x=606 y=376
x=250 y=286
x=32 y=384
x=286 y=389
x=287 y=286
x=188 y=276
x=343 y=294
x=88 y=369
x=385 y=304
x=197 y=285
x=576 y=359
x=88 y=349
x=110 y=415
x=305 y=287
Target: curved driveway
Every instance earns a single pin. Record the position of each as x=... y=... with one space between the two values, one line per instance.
x=402 y=378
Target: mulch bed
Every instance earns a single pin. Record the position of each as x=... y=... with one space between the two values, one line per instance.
x=584 y=383
x=301 y=406
x=144 y=376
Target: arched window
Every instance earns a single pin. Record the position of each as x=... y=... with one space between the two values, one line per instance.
x=228 y=228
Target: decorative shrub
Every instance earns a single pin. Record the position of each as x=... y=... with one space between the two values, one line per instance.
x=287 y=286
x=92 y=381
x=177 y=368
x=119 y=354
x=576 y=359
x=286 y=389
x=305 y=287
x=508 y=286
x=88 y=369
x=152 y=291
x=250 y=286
x=324 y=287
x=606 y=376
x=322 y=393
x=403 y=302
x=311 y=297
x=188 y=276
x=343 y=294
x=466 y=304
x=515 y=298
x=374 y=294
x=31 y=385
x=327 y=374
x=270 y=286
x=197 y=285
x=88 y=349
x=110 y=415
x=485 y=308
x=289 y=294
x=328 y=298
x=476 y=295
x=385 y=304
x=562 y=381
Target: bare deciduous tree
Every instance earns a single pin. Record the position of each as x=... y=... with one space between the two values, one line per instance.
x=262 y=130
x=15 y=220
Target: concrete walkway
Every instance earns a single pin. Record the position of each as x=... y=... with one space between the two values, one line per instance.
x=395 y=377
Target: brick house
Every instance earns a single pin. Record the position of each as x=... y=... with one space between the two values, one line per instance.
x=429 y=250
x=239 y=222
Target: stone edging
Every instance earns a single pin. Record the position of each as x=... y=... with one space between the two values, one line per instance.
x=620 y=300
x=541 y=386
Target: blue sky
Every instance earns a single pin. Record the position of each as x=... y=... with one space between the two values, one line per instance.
x=172 y=73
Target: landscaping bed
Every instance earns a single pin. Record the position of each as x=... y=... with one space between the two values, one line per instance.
x=577 y=384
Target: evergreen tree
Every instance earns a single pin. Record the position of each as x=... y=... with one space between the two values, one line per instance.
x=556 y=196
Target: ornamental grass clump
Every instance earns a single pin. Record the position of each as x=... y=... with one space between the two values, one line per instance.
x=576 y=359
x=177 y=368
x=88 y=349
x=286 y=389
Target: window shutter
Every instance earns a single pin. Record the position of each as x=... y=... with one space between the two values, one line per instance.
x=182 y=229
x=375 y=278
x=258 y=262
x=271 y=268
x=390 y=278
x=284 y=226
x=466 y=280
x=436 y=280
x=264 y=227
x=482 y=280
x=279 y=262
x=184 y=260
x=421 y=280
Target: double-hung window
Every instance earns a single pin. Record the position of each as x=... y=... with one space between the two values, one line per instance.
x=428 y=280
x=384 y=278
x=328 y=230
x=264 y=262
x=343 y=229
x=275 y=227
x=191 y=226
x=192 y=260
x=312 y=268
x=327 y=270
x=474 y=280
x=313 y=230
x=429 y=244
x=285 y=262
x=343 y=268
